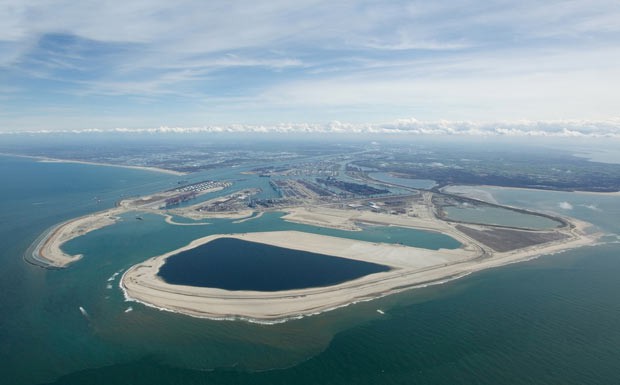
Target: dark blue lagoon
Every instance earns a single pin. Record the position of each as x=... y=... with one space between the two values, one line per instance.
x=233 y=264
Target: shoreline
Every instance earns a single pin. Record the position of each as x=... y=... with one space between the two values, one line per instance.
x=46 y=251
x=45 y=159
x=600 y=193
x=141 y=283
x=411 y=268
x=290 y=318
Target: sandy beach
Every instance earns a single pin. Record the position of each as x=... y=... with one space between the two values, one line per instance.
x=145 y=168
x=49 y=251
x=198 y=215
x=44 y=159
x=610 y=193
x=141 y=282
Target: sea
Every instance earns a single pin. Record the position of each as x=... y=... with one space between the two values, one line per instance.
x=552 y=320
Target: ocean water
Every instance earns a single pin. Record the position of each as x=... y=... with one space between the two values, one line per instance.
x=547 y=321
x=234 y=264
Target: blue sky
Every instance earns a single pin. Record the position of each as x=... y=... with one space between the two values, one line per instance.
x=138 y=64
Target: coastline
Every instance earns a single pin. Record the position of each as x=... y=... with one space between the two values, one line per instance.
x=47 y=251
x=599 y=193
x=141 y=283
x=411 y=267
x=45 y=159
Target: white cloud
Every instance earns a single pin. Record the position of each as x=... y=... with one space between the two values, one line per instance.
x=366 y=60
x=503 y=84
x=560 y=129
x=565 y=206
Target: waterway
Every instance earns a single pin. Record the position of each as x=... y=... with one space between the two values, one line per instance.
x=499 y=216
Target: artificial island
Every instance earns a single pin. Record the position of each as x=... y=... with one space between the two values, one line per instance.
x=335 y=198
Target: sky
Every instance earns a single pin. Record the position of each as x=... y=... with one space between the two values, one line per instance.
x=547 y=67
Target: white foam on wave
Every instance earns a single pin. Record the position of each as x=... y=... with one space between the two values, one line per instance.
x=113 y=276
x=276 y=321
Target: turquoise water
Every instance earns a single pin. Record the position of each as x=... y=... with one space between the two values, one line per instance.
x=234 y=264
x=549 y=321
x=499 y=216
x=413 y=183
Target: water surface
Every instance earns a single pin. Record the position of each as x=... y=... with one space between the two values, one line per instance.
x=234 y=264
x=407 y=182
x=499 y=216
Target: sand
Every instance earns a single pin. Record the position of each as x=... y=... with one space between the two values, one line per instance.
x=250 y=218
x=170 y=220
x=600 y=193
x=411 y=267
x=44 y=159
x=198 y=215
x=49 y=248
x=145 y=168
x=351 y=219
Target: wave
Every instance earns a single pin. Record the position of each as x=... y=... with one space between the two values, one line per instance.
x=84 y=312
x=276 y=321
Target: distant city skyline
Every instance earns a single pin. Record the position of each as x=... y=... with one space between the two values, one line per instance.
x=468 y=67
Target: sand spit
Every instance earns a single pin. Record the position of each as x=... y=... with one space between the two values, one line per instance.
x=45 y=159
x=599 y=193
x=251 y=217
x=47 y=251
x=170 y=220
x=145 y=168
x=411 y=267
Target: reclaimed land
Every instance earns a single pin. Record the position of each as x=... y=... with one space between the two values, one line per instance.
x=410 y=267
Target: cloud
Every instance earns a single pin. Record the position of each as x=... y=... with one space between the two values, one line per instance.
x=311 y=60
x=565 y=206
x=561 y=129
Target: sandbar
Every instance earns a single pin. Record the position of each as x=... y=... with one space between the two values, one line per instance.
x=48 y=252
